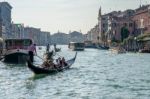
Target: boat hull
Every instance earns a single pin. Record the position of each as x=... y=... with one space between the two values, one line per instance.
x=16 y=56
x=102 y=47
x=57 y=49
x=144 y=51
x=40 y=70
x=76 y=49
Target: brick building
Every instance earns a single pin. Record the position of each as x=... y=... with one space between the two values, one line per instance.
x=141 y=20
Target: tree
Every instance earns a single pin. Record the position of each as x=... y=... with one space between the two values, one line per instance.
x=124 y=33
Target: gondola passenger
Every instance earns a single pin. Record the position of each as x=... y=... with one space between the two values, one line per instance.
x=64 y=62
x=48 y=64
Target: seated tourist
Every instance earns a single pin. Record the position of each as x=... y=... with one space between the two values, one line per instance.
x=48 y=64
x=64 y=62
x=59 y=63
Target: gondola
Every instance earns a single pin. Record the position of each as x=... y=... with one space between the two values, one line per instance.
x=39 y=70
x=57 y=49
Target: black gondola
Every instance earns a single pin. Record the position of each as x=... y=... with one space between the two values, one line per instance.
x=39 y=70
x=57 y=49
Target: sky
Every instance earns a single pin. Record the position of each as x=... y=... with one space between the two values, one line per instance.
x=65 y=15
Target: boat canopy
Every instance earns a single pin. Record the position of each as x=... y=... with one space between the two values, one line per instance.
x=18 y=43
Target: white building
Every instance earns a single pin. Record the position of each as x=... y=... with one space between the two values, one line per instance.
x=18 y=30
x=33 y=33
x=45 y=38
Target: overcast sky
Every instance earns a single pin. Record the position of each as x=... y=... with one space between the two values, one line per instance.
x=65 y=15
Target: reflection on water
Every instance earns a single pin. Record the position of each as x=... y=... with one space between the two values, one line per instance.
x=96 y=74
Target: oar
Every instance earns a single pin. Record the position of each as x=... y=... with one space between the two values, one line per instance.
x=40 y=57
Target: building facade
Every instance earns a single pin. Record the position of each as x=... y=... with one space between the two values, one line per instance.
x=45 y=38
x=142 y=20
x=33 y=33
x=5 y=20
x=18 y=31
x=112 y=24
x=116 y=25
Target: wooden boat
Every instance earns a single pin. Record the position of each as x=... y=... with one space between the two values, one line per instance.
x=102 y=47
x=40 y=70
x=117 y=50
x=144 y=51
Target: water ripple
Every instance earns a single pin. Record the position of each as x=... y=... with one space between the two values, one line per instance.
x=96 y=74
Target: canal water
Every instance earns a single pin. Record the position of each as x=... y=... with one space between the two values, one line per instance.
x=96 y=74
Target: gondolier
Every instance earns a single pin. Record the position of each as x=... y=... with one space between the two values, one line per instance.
x=32 y=50
x=47 y=48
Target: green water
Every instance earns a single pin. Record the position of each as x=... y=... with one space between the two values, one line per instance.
x=96 y=74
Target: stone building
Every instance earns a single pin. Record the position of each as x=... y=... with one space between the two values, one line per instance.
x=33 y=33
x=142 y=20
x=89 y=36
x=18 y=30
x=111 y=25
x=39 y=37
x=5 y=20
x=116 y=24
x=45 y=38
x=93 y=35
x=106 y=23
x=60 y=38
x=76 y=37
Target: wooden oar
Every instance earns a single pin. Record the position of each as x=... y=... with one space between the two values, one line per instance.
x=40 y=57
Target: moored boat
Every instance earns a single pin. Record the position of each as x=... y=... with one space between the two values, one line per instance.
x=118 y=50
x=102 y=47
x=40 y=70
x=16 y=50
x=144 y=51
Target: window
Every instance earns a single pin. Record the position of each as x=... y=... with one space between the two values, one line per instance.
x=130 y=25
x=103 y=18
x=103 y=25
x=149 y=10
x=125 y=24
x=103 y=31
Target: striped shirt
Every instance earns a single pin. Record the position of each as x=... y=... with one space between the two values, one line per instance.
x=32 y=48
